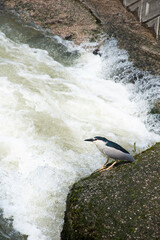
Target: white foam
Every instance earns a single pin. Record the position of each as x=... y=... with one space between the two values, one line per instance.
x=46 y=111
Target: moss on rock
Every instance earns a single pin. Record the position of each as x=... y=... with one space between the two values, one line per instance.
x=156 y=107
x=118 y=204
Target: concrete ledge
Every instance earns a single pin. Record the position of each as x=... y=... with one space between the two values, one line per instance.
x=148 y=12
x=129 y=2
x=150 y=9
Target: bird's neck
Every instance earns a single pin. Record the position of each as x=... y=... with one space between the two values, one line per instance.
x=100 y=145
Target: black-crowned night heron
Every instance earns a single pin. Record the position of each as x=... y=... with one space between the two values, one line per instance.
x=111 y=150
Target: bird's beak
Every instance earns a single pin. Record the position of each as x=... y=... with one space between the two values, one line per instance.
x=89 y=139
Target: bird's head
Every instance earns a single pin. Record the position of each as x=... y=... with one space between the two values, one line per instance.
x=96 y=139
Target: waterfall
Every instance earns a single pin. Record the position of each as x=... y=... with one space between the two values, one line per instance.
x=48 y=106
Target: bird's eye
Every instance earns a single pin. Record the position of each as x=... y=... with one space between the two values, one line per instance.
x=95 y=139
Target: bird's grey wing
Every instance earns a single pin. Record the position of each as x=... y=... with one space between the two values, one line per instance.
x=116 y=146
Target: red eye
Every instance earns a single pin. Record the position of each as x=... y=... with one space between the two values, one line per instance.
x=95 y=139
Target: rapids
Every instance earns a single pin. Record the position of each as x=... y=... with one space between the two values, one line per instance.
x=48 y=106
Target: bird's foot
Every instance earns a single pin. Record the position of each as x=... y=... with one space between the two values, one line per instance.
x=104 y=168
x=100 y=169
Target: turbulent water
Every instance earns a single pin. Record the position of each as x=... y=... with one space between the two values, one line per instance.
x=48 y=106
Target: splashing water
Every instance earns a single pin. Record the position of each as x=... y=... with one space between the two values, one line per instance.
x=46 y=111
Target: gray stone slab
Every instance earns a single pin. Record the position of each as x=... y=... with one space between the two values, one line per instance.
x=150 y=10
x=133 y=7
x=137 y=7
x=129 y=2
x=155 y=23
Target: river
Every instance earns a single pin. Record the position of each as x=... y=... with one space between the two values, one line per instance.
x=53 y=95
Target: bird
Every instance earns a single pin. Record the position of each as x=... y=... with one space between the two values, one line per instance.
x=111 y=150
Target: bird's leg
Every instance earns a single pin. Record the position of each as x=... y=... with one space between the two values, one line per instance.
x=104 y=166
x=105 y=169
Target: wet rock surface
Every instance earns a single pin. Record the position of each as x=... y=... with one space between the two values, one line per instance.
x=7 y=232
x=123 y=203
x=67 y=19
x=156 y=107
x=36 y=37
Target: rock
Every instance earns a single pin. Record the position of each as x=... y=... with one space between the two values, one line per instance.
x=6 y=230
x=122 y=203
x=156 y=107
x=97 y=52
x=62 y=17
x=85 y=20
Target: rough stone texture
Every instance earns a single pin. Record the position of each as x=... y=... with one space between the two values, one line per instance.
x=66 y=18
x=123 y=203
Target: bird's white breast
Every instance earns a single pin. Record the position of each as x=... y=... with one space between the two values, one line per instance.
x=101 y=145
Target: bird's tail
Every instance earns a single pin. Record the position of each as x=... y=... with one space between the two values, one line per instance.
x=131 y=158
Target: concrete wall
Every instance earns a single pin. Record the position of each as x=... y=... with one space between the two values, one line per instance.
x=148 y=12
